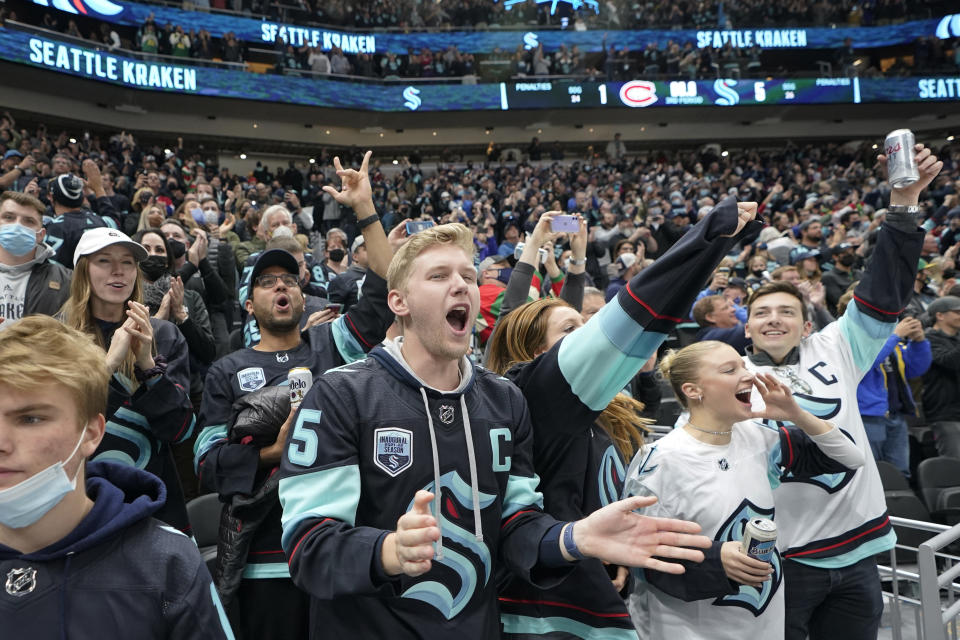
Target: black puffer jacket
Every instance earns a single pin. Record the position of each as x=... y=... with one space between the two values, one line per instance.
x=257 y=418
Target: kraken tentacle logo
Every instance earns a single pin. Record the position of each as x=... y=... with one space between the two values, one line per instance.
x=611 y=475
x=825 y=409
x=724 y=88
x=85 y=7
x=475 y=552
x=949 y=27
x=753 y=599
x=411 y=98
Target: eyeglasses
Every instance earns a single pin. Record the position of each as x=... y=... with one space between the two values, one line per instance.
x=796 y=383
x=269 y=280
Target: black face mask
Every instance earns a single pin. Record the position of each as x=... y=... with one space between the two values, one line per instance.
x=154 y=267
x=847 y=260
x=177 y=248
x=758 y=272
x=336 y=255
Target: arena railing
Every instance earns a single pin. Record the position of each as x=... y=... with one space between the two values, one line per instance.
x=938 y=591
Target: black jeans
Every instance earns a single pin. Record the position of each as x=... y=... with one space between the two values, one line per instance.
x=832 y=603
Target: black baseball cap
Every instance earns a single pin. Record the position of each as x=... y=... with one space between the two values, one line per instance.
x=275 y=258
x=67 y=189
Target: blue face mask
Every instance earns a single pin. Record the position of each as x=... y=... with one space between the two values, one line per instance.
x=503 y=275
x=17 y=239
x=25 y=503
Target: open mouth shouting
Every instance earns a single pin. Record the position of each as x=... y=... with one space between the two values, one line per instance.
x=743 y=395
x=282 y=303
x=458 y=318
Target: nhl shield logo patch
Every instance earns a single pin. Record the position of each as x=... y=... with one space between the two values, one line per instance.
x=20 y=582
x=251 y=379
x=393 y=450
x=446 y=413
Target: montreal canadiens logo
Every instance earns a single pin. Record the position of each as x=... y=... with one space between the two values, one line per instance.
x=638 y=93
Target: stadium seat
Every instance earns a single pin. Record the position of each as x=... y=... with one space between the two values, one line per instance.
x=905 y=504
x=204 y=514
x=935 y=475
x=891 y=478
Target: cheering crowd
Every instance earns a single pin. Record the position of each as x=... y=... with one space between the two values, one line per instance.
x=483 y=344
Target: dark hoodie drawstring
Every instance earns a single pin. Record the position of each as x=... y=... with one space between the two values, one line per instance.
x=63 y=597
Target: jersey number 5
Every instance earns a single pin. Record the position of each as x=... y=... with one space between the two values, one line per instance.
x=303 y=443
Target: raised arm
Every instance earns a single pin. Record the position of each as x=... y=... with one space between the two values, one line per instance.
x=887 y=283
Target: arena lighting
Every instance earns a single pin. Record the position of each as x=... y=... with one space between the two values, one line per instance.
x=949 y=138
x=313 y=160
x=381 y=134
x=327 y=132
x=73 y=141
x=255 y=125
x=874 y=146
x=243 y=156
x=724 y=154
x=434 y=133
x=395 y=161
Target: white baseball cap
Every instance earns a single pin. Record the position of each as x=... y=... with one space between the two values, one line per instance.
x=94 y=240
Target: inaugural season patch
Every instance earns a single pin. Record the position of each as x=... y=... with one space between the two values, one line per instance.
x=394 y=450
x=251 y=379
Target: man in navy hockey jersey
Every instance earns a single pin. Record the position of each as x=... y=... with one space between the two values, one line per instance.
x=268 y=604
x=80 y=554
x=407 y=477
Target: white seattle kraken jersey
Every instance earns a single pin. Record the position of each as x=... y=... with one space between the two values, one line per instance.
x=834 y=520
x=720 y=488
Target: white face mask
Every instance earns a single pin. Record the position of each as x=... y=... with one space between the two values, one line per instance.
x=23 y=504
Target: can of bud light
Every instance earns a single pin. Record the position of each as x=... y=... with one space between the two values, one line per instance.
x=760 y=539
x=300 y=380
x=901 y=164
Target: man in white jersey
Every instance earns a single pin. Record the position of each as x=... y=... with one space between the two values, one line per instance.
x=832 y=525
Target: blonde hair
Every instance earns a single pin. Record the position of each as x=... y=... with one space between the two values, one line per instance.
x=518 y=337
x=38 y=350
x=679 y=367
x=77 y=312
x=454 y=234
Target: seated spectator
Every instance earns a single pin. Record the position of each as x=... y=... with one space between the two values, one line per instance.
x=941 y=383
x=30 y=282
x=345 y=288
x=148 y=408
x=91 y=523
x=718 y=321
x=494 y=275
x=511 y=236
x=837 y=280
x=593 y=301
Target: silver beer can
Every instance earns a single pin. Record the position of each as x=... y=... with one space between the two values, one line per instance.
x=300 y=380
x=760 y=539
x=901 y=162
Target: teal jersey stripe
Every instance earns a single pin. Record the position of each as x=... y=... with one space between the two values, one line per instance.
x=328 y=493
x=350 y=348
x=266 y=570
x=521 y=493
x=867 y=549
x=224 y=623
x=205 y=441
x=139 y=440
x=600 y=359
x=528 y=626
x=132 y=416
x=865 y=335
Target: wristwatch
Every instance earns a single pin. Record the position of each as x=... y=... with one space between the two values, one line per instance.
x=912 y=209
x=366 y=222
x=579 y=263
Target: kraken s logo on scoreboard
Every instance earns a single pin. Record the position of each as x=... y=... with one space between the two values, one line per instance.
x=85 y=7
x=638 y=93
x=949 y=27
x=753 y=599
x=463 y=554
x=530 y=40
x=724 y=88
x=411 y=97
